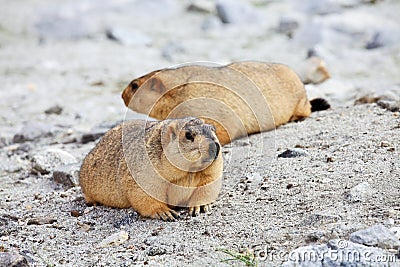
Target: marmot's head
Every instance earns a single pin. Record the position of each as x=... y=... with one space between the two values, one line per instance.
x=189 y=144
x=151 y=88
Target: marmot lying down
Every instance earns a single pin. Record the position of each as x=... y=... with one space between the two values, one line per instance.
x=238 y=99
x=154 y=166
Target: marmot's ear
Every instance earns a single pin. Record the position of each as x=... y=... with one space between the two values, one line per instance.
x=213 y=128
x=195 y=121
x=155 y=84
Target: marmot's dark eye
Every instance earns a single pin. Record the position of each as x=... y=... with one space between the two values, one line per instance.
x=189 y=136
x=134 y=86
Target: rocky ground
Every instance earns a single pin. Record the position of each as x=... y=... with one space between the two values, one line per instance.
x=63 y=66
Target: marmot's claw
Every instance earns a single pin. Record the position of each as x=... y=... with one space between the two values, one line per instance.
x=194 y=211
x=169 y=215
x=206 y=208
x=174 y=214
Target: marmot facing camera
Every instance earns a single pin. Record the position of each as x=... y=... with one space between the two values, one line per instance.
x=153 y=166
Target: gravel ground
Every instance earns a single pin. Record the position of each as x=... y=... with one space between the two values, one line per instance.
x=64 y=64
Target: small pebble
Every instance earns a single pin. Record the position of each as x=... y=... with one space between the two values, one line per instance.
x=54 y=110
x=330 y=159
x=92 y=136
x=76 y=213
x=84 y=226
x=67 y=175
x=41 y=221
x=385 y=144
x=156 y=250
x=114 y=239
x=293 y=153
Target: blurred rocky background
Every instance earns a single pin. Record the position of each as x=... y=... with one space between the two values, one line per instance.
x=64 y=63
x=61 y=53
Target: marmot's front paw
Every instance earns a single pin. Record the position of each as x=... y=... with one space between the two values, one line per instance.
x=195 y=211
x=166 y=215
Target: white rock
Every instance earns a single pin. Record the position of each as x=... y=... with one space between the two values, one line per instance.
x=114 y=239
x=46 y=160
x=255 y=178
x=314 y=71
x=127 y=36
x=377 y=235
x=360 y=192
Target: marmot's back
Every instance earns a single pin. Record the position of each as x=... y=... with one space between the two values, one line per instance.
x=282 y=88
x=100 y=174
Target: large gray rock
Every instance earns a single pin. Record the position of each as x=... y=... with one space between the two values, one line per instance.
x=377 y=235
x=47 y=160
x=236 y=12
x=339 y=252
x=56 y=27
x=12 y=259
x=33 y=131
x=348 y=29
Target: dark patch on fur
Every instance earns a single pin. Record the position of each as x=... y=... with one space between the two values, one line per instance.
x=318 y=104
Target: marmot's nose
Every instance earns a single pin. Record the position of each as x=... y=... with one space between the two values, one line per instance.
x=213 y=150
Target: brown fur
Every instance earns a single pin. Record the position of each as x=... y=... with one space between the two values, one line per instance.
x=235 y=104
x=145 y=149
